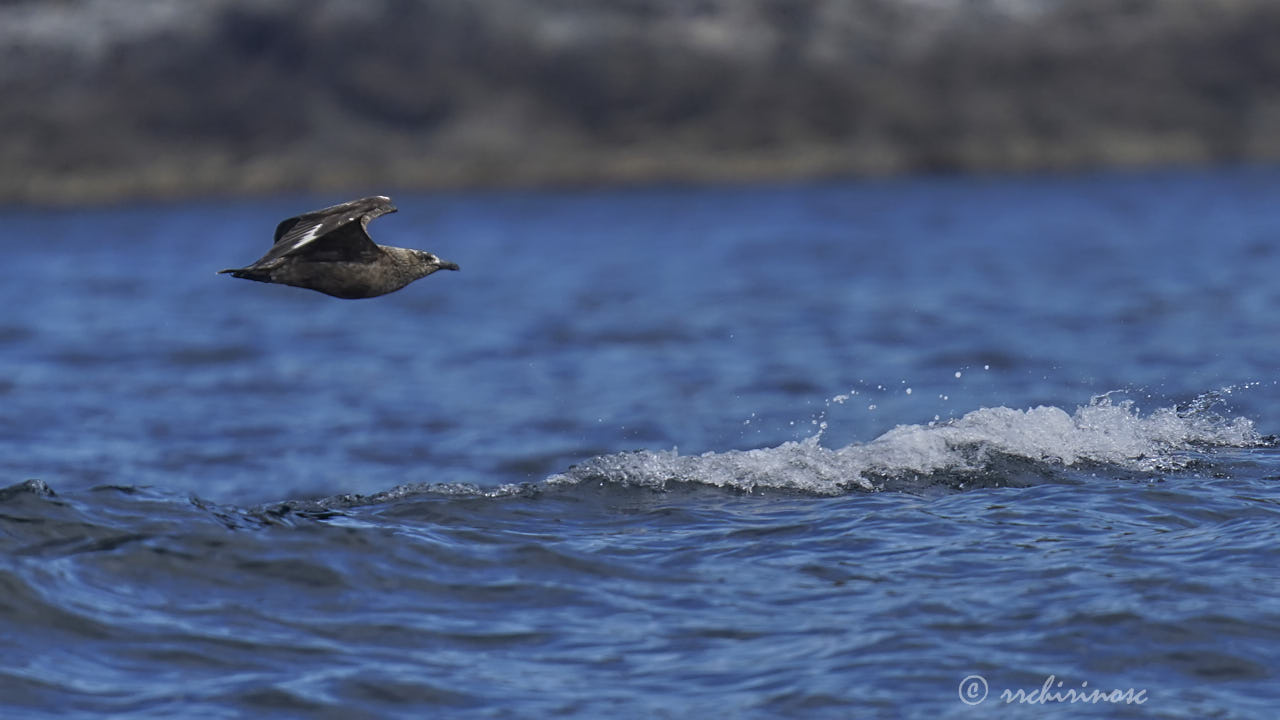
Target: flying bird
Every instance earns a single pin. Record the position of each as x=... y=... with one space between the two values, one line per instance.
x=330 y=251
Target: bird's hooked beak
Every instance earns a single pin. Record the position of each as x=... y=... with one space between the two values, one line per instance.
x=446 y=265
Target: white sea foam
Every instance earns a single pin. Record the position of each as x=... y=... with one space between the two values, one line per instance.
x=1103 y=432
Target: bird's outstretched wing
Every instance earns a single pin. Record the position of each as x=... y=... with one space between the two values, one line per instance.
x=332 y=234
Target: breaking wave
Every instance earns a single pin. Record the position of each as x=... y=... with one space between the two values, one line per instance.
x=988 y=447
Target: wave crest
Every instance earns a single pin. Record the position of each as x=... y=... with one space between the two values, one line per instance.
x=990 y=446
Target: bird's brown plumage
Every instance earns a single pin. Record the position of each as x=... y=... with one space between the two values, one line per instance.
x=330 y=251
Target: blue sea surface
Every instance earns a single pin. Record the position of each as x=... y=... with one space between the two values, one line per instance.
x=944 y=446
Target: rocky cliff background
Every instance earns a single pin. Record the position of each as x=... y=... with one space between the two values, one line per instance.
x=104 y=100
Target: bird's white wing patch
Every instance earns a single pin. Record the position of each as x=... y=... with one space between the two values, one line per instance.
x=325 y=226
x=299 y=234
x=311 y=234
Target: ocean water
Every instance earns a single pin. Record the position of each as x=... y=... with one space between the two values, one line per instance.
x=924 y=447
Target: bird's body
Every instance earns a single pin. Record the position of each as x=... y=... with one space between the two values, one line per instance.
x=330 y=251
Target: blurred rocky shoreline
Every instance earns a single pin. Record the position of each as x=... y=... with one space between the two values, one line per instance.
x=110 y=100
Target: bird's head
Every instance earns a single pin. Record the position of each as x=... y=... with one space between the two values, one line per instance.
x=429 y=262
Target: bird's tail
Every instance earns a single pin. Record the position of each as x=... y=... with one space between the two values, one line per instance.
x=247 y=273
